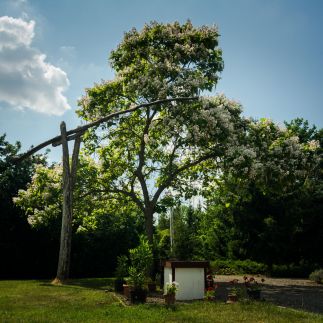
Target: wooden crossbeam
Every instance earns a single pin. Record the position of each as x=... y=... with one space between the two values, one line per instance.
x=72 y=134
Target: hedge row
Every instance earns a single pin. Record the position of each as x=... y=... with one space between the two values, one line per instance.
x=240 y=267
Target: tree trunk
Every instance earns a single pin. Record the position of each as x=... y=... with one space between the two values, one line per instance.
x=149 y=212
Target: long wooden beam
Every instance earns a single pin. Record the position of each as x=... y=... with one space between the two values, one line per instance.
x=70 y=134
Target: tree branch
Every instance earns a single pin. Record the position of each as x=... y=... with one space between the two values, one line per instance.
x=179 y=170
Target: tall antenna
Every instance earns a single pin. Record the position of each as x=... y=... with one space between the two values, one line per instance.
x=171 y=229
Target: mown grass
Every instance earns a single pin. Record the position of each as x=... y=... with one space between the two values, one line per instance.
x=87 y=301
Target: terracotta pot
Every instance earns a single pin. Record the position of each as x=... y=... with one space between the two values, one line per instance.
x=126 y=290
x=232 y=298
x=169 y=299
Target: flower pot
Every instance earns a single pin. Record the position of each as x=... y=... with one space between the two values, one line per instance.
x=232 y=298
x=254 y=294
x=169 y=299
x=152 y=287
x=138 y=295
x=126 y=290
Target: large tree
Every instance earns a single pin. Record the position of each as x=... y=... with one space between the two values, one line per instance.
x=259 y=206
x=158 y=147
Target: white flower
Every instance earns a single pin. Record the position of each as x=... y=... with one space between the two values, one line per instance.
x=313 y=145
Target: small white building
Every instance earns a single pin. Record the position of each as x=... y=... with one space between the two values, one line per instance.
x=190 y=275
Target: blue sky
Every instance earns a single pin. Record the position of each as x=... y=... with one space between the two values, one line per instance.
x=272 y=50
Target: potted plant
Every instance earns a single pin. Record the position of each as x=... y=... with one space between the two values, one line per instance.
x=171 y=289
x=253 y=287
x=120 y=273
x=141 y=259
x=234 y=291
x=210 y=292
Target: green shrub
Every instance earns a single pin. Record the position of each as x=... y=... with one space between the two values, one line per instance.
x=238 y=267
x=317 y=276
x=122 y=267
x=141 y=261
x=250 y=267
x=241 y=267
x=301 y=270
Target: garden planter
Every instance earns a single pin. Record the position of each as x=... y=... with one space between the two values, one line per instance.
x=152 y=287
x=232 y=298
x=126 y=290
x=169 y=299
x=138 y=296
x=254 y=294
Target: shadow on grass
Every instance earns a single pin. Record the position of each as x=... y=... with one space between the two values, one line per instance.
x=93 y=283
x=90 y=283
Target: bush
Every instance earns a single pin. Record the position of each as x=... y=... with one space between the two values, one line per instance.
x=122 y=267
x=241 y=267
x=141 y=261
x=250 y=267
x=317 y=276
x=301 y=270
x=238 y=267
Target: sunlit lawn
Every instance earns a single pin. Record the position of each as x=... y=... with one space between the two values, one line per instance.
x=87 y=301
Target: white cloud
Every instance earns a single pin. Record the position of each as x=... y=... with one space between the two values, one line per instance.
x=26 y=79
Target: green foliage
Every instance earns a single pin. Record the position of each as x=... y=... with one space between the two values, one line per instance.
x=299 y=270
x=141 y=259
x=163 y=244
x=317 y=276
x=122 y=267
x=159 y=147
x=263 y=184
x=97 y=224
x=267 y=202
x=186 y=242
x=186 y=239
x=238 y=267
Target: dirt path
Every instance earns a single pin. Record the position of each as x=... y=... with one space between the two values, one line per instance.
x=296 y=293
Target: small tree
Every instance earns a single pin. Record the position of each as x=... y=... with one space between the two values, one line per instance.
x=141 y=259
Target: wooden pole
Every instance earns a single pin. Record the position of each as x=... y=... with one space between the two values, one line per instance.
x=72 y=180
x=66 y=231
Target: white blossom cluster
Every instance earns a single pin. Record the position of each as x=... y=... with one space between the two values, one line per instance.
x=41 y=200
x=272 y=155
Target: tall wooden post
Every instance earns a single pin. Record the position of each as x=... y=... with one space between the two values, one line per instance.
x=69 y=178
x=65 y=243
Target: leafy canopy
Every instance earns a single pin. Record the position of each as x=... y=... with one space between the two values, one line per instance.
x=144 y=153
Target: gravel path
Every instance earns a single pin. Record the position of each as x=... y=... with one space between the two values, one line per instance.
x=296 y=293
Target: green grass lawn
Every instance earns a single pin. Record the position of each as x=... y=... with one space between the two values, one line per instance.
x=86 y=301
